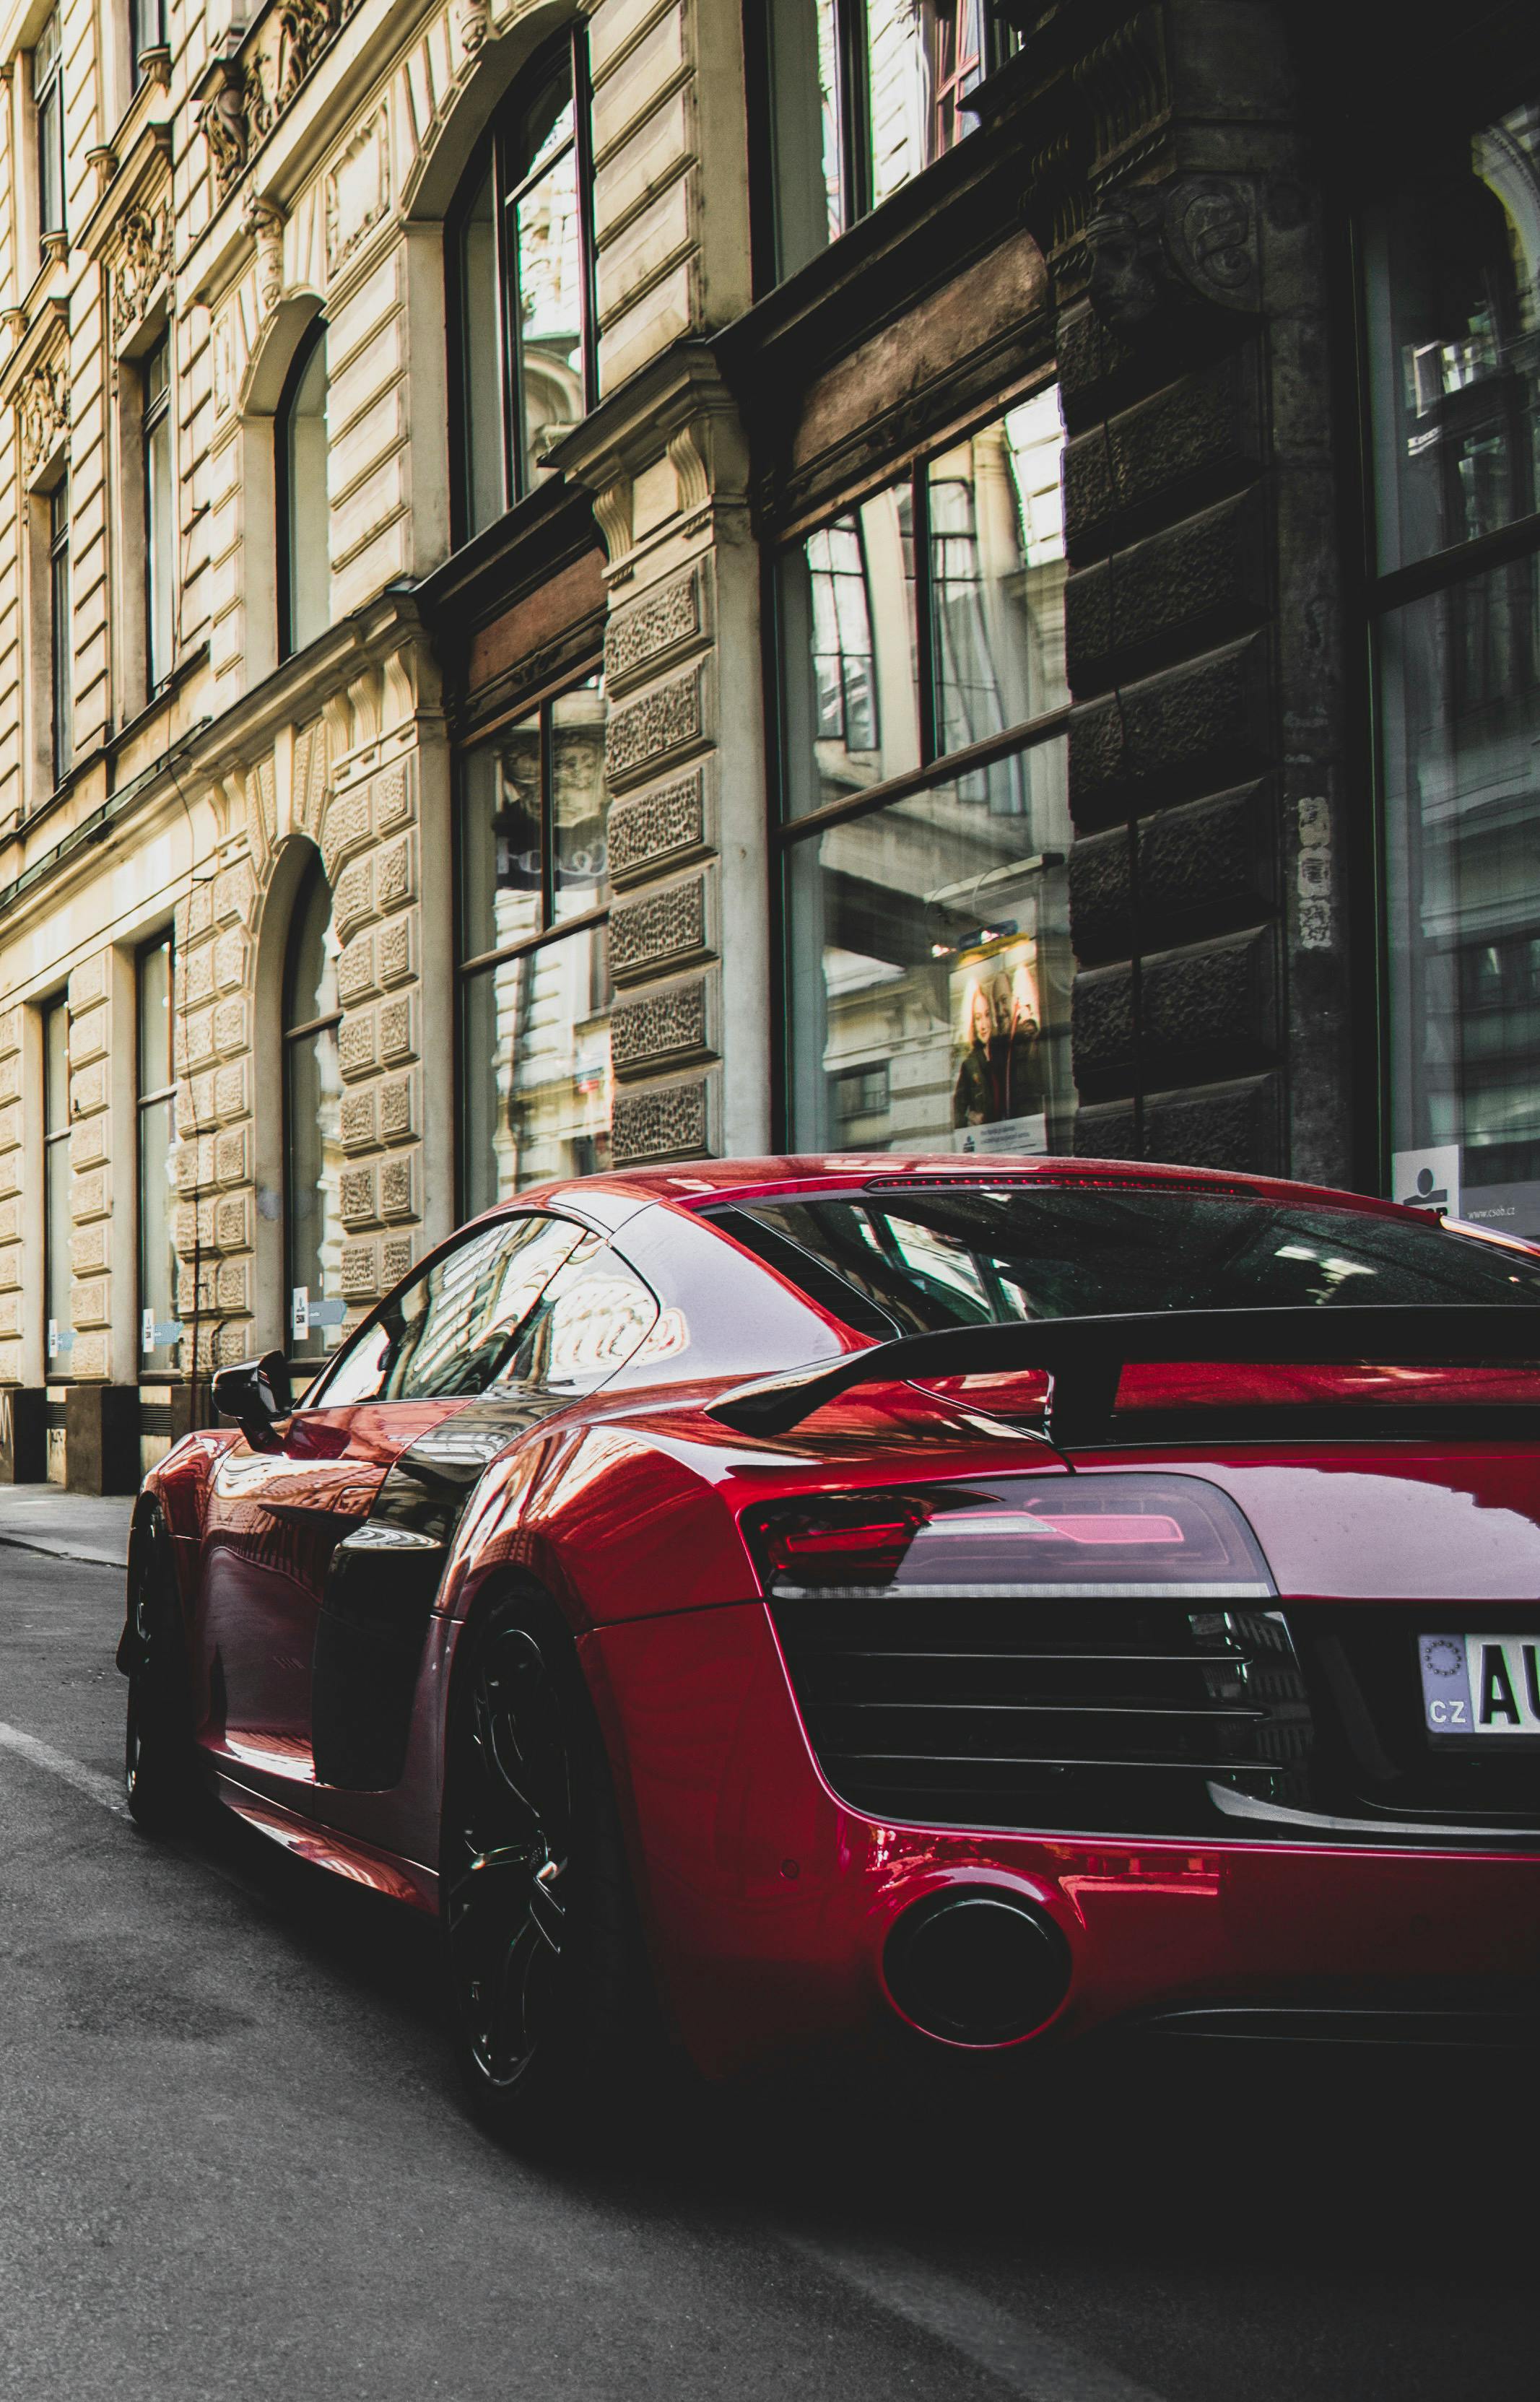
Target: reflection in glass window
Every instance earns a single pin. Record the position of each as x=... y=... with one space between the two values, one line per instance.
x=48 y=97
x=929 y=947
x=304 y=597
x=312 y=1100
x=864 y=95
x=522 y=246
x=160 y=514
x=535 y=1085
x=1452 y=300
x=58 y=1327
x=160 y=1332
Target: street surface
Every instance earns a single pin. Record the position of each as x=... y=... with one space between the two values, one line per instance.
x=233 y=2163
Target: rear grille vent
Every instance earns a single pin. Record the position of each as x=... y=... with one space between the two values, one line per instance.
x=1092 y=1717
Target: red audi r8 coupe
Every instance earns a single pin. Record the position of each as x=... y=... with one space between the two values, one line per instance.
x=987 y=1600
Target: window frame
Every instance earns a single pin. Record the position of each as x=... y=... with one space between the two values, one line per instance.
x=468 y=966
x=61 y=660
x=491 y=154
x=143 y=1101
x=312 y=340
x=147 y=36
x=55 y=1145
x=1379 y=593
x=290 y=1037
x=48 y=101
x=786 y=832
x=155 y=418
x=853 y=116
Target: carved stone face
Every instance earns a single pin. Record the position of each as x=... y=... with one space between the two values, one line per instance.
x=1124 y=287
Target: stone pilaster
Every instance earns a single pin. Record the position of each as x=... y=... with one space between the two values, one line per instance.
x=1166 y=179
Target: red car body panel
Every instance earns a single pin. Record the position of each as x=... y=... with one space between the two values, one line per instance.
x=767 y=1898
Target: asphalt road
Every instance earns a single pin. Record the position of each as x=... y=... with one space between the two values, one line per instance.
x=233 y=2163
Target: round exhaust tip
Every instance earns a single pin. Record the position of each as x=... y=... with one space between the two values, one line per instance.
x=973 y=1964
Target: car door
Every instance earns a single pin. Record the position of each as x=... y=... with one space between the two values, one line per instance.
x=276 y=1515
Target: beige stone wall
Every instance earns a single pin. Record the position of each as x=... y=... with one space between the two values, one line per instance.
x=228 y=203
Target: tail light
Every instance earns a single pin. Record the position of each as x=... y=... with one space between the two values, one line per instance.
x=1342 y=1384
x=1036 y=1537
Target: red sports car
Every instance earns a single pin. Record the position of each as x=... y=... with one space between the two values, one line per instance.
x=796 y=1599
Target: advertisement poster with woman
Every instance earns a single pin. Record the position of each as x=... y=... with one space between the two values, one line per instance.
x=1001 y=1096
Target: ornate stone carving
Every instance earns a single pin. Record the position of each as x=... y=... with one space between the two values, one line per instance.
x=657 y=826
x=1147 y=246
x=472 y=20
x=667 y=1124
x=658 y=929
x=304 y=29
x=223 y=122
x=358 y=190
x=658 y=1029
x=666 y=621
x=144 y=262
x=669 y=718
x=44 y=413
x=264 y=221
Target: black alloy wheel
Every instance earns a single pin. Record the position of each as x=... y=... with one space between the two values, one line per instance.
x=547 y=1984
x=160 y=1773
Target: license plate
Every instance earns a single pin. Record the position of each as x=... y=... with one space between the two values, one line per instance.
x=1480 y=1685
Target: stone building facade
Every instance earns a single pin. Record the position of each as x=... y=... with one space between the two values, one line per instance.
x=635 y=580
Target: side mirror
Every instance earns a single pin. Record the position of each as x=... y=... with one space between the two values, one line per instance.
x=257 y=1394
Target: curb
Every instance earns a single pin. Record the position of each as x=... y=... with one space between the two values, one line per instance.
x=93 y=1557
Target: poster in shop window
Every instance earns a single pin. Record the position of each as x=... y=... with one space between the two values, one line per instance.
x=1000 y=1094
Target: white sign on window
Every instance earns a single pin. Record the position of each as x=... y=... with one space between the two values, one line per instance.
x=299 y=1312
x=1427 y=1179
x=146 y=1330
x=53 y=1338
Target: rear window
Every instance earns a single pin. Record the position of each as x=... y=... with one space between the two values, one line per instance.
x=911 y=1264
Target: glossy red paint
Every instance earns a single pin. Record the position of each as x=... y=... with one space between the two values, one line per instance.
x=767 y=1898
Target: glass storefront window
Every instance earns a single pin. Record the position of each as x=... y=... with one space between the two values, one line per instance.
x=1452 y=307
x=864 y=95
x=534 y=1016
x=928 y=950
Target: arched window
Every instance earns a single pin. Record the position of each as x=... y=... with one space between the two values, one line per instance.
x=521 y=280
x=313 y=1124
x=304 y=563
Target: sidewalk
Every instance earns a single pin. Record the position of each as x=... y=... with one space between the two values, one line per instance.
x=71 y=1526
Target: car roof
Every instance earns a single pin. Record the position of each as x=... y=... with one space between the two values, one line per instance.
x=616 y=1194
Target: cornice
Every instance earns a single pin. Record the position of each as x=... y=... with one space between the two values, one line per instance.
x=150 y=151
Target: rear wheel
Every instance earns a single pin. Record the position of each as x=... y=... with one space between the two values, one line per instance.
x=548 y=1984
x=159 y=1778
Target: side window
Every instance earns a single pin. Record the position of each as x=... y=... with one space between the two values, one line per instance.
x=593 y=1316
x=449 y=1329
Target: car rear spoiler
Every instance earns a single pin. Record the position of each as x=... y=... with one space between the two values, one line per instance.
x=1085 y=1356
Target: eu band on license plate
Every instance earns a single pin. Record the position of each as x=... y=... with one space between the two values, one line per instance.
x=1480 y=1685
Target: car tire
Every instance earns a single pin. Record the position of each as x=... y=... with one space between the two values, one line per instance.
x=159 y=1772
x=550 y=1994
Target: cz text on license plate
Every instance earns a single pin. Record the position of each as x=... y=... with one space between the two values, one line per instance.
x=1476 y=1686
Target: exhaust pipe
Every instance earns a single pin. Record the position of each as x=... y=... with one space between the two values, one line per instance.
x=975 y=1964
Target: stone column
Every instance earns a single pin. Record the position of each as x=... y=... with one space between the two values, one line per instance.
x=1166 y=177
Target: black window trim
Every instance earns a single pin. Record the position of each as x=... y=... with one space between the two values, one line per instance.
x=309 y=342
x=489 y=156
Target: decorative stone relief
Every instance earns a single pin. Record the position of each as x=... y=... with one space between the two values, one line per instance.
x=358 y=191
x=657 y=826
x=657 y=929
x=1148 y=243
x=264 y=221
x=667 y=621
x=660 y=1027
x=668 y=1123
x=144 y=262
x=669 y=718
x=472 y=22
x=44 y=413
x=304 y=29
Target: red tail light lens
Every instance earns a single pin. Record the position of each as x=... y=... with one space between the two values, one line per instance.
x=1114 y=1536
